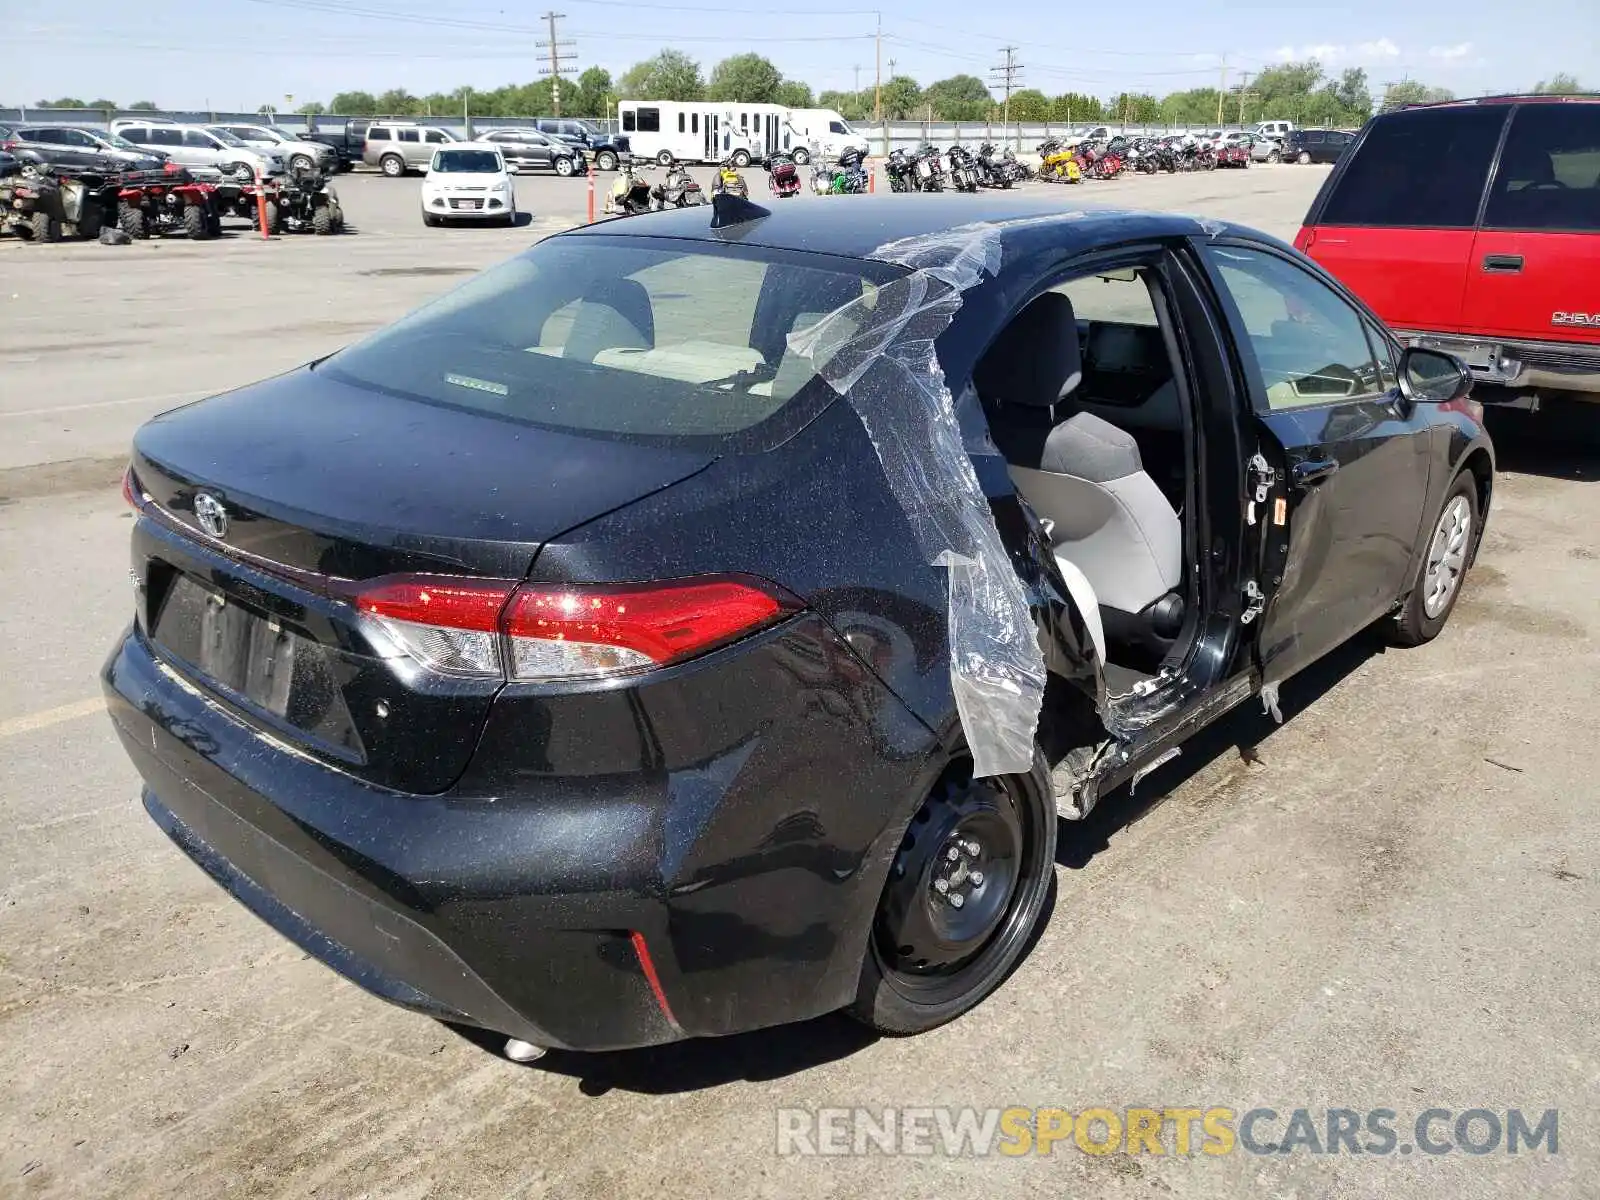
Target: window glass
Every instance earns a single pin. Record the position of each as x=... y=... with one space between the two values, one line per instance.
x=1119 y=297
x=694 y=122
x=1423 y=168
x=407 y=135
x=835 y=126
x=136 y=135
x=1388 y=354
x=611 y=337
x=436 y=138
x=627 y=120
x=1549 y=175
x=195 y=140
x=165 y=137
x=1310 y=345
x=1315 y=136
x=468 y=161
x=377 y=135
x=649 y=120
x=682 y=125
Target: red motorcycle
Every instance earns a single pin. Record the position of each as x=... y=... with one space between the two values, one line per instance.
x=783 y=177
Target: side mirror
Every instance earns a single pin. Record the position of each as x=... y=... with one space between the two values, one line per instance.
x=1432 y=376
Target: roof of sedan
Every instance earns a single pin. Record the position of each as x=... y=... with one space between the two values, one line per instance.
x=854 y=228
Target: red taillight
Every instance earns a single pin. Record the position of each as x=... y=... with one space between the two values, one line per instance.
x=492 y=627
x=561 y=632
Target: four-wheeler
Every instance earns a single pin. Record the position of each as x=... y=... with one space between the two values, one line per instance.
x=631 y=193
x=30 y=203
x=306 y=201
x=171 y=200
x=678 y=189
x=512 y=661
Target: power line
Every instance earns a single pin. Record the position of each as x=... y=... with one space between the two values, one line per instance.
x=558 y=53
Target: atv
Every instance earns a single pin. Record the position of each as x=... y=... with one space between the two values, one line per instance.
x=30 y=204
x=166 y=201
x=307 y=201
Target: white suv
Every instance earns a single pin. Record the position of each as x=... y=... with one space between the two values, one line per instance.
x=197 y=146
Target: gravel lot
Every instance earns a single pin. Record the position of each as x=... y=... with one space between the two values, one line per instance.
x=1387 y=902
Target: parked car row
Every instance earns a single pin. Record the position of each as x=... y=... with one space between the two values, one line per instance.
x=398 y=147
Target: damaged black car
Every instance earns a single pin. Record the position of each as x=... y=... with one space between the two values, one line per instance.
x=680 y=630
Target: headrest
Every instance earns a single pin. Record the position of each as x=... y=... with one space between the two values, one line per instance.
x=1087 y=447
x=1035 y=361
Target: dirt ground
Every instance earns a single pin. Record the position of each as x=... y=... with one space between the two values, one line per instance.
x=1387 y=902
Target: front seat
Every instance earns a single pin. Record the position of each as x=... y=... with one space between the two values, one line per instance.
x=615 y=315
x=1109 y=520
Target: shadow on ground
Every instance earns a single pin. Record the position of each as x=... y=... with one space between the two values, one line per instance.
x=1561 y=441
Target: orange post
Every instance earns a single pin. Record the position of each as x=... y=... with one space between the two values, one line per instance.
x=872 y=178
x=261 y=207
x=591 y=193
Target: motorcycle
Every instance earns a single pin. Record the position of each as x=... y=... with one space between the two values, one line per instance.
x=999 y=169
x=963 y=170
x=783 y=177
x=678 y=189
x=729 y=180
x=929 y=169
x=1058 y=164
x=851 y=178
x=631 y=194
x=901 y=170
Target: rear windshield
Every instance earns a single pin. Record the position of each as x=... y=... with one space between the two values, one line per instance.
x=1423 y=169
x=469 y=161
x=635 y=338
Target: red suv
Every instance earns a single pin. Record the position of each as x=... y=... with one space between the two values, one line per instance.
x=1474 y=227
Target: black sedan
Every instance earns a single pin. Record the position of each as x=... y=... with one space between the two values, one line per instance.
x=530 y=150
x=650 y=639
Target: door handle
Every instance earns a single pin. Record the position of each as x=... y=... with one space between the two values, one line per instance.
x=1502 y=264
x=1313 y=471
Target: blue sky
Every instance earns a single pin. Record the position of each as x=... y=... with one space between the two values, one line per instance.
x=242 y=53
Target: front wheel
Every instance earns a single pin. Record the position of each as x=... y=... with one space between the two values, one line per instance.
x=46 y=227
x=802 y=158
x=664 y=159
x=322 y=220
x=1304 y=159
x=195 y=224
x=963 y=895
x=1437 y=586
x=392 y=165
x=741 y=159
x=565 y=166
x=130 y=219
x=301 y=162
x=274 y=218
x=606 y=160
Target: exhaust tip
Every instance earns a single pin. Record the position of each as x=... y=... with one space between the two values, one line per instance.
x=520 y=1051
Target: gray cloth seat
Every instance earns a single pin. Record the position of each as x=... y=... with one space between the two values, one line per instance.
x=616 y=315
x=1108 y=517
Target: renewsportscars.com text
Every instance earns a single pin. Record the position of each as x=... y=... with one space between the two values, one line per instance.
x=1215 y=1131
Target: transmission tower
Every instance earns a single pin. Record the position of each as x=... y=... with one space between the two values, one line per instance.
x=1007 y=75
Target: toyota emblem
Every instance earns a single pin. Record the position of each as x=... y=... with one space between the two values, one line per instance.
x=212 y=516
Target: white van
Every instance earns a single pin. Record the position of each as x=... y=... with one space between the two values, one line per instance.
x=825 y=129
x=709 y=131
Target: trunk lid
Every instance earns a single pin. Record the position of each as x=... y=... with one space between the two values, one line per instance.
x=320 y=484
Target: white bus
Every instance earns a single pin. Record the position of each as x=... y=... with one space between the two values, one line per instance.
x=709 y=131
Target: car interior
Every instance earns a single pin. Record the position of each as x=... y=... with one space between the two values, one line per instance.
x=1087 y=413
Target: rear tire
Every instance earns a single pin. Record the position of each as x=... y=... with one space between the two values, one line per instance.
x=927 y=960
x=1304 y=159
x=195 y=223
x=741 y=159
x=606 y=160
x=1274 y=157
x=664 y=159
x=131 y=221
x=392 y=165
x=802 y=158
x=274 y=218
x=300 y=162
x=46 y=227
x=1443 y=569
x=322 y=221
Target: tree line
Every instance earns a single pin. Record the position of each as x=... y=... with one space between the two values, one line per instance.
x=1302 y=92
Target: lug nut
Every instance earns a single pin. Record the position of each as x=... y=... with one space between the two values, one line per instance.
x=957 y=900
x=952 y=854
x=941 y=886
x=977 y=878
x=974 y=848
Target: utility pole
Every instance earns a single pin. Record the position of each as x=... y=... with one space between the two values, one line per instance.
x=559 y=53
x=1006 y=75
x=877 y=88
x=1244 y=85
x=1223 y=90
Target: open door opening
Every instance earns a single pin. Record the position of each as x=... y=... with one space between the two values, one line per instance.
x=1085 y=401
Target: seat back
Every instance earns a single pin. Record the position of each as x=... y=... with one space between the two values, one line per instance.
x=1108 y=515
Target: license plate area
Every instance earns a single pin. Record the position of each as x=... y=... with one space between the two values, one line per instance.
x=258 y=661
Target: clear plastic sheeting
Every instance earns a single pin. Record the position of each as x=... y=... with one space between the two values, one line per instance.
x=878 y=352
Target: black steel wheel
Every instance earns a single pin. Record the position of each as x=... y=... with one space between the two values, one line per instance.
x=963 y=895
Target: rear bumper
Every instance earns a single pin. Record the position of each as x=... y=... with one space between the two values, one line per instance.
x=519 y=901
x=1520 y=364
